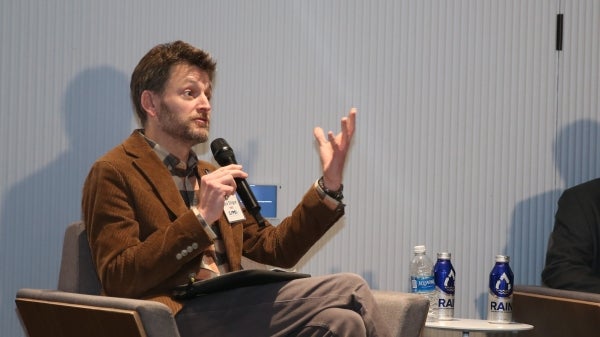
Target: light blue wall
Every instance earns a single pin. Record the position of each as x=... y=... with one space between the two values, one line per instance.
x=470 y=123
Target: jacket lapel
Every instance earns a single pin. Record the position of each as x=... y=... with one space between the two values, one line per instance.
x=155 y=172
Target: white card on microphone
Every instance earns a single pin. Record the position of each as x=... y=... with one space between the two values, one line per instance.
x=233 y=210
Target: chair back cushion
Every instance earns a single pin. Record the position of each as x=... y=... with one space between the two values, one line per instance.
x=77 y=271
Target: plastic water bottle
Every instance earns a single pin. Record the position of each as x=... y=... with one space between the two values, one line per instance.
x=501 y=291
x=444 y=274
x=422 y=280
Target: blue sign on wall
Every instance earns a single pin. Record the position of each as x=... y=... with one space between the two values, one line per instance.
x=266 y=195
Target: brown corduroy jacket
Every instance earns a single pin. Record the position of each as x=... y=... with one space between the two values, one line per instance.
x=138 y=225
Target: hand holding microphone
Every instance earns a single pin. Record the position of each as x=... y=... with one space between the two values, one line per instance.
x=214 y=189
x=223 y=154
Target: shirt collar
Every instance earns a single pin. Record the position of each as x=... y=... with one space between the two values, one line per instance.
x=173 y=164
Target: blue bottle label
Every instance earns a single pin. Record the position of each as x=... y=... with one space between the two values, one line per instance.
x=444 y=277
x=422 y=284
x=501 y=280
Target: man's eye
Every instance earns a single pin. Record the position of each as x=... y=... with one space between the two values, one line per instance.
x=188 y=93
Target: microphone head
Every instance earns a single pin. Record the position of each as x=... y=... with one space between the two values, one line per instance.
x=222 y=152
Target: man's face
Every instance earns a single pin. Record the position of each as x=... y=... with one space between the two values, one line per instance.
x=184 y=111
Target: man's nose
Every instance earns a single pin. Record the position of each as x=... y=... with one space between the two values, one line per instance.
x=203 y=102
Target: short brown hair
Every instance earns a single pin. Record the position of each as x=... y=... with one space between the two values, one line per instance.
x=152 y=72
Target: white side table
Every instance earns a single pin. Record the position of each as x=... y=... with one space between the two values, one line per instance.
x=480 y=325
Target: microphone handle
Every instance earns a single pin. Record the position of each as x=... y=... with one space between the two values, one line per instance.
x=249 y=200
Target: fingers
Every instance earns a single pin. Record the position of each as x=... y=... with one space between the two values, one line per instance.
x=222 y=180
x=215 y=188
x=331 y=137
x=233 y=170
x=319 y=135
x=348 y=125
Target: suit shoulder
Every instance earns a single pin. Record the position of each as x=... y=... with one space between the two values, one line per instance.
x=588 y=187
x=585 y=193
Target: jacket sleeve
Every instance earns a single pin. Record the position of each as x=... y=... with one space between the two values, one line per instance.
x=283 y=245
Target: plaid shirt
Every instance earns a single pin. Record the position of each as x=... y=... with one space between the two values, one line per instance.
x=186 y=179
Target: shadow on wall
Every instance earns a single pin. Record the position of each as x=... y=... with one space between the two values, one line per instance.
x=36 y=210
x=577 y=159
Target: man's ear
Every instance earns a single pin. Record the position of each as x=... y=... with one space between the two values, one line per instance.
x=150 y=103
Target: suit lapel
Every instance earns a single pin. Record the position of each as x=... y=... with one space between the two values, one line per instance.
x=155 y=171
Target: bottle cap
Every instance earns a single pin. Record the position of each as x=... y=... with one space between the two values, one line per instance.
x=444 y=255
x=502 y=258
x=419 y=249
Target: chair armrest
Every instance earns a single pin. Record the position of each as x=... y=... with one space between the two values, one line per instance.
x=405 y=313
x=157 y=319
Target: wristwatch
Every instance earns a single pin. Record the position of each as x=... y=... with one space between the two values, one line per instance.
x=337 y=195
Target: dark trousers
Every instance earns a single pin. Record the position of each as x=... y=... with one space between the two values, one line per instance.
x=333 y=305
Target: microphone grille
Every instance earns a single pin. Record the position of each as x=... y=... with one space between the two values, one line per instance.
x=222 y=152
x=218 y=145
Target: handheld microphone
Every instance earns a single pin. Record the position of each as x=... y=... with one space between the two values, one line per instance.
x=223 y=154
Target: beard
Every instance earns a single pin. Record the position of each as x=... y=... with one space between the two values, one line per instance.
x=184 y=130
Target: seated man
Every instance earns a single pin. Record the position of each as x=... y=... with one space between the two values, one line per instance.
x=155 y=218
x=573 y=257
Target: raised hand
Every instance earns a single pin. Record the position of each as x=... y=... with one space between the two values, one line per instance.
x=334 y=149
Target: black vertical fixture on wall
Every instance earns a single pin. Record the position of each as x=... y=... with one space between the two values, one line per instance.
x=559 y=31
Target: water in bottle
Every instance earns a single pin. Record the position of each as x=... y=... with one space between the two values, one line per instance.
x=501 y=290
x=444 y=275
x=422 y=280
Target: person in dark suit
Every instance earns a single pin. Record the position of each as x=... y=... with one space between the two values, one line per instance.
x=573 y=256
x=155 y=218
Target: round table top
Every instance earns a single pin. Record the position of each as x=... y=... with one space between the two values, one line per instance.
x=465 y=324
